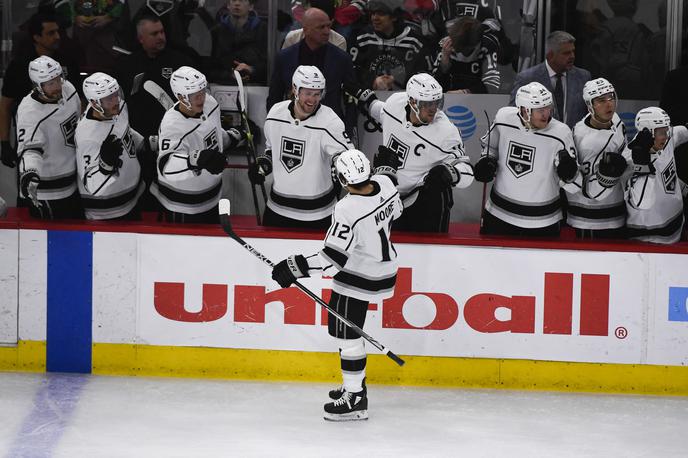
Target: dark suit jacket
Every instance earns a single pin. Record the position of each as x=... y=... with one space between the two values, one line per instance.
x=575 y=80
x=338 y=69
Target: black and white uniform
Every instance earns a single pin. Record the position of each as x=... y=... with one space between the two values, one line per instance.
x=358 y=249
x=596 y=207
x=302 y=153
x=420 y=148
x=525 y=192
x=357 y=243
x=478 y=72
x=655 y=201
x=401 y=56
x=45 y=142
x=180 y=188
x=108 y=195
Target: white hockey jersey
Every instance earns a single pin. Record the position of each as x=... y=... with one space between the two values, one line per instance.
x=420 y=148
x=525 y=192
x=302 y=153
x=596 y=207
x=655 y=201
x=357 y=243
x=45 y=142
x=107 y=195
x=180 y=188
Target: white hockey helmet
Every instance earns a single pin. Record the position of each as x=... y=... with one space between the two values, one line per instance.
x=424 y=89
x=43 y=69
x=186 y=81
x=652 y=118
x=532 y=96
x=308 y=77
x=353 y=167
x=98 y=86
x=597 y=88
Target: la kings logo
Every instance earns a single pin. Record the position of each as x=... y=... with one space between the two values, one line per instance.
x=68 y=128
x=128 y=143
x=464 y=9
x=292 y=153
x=669 y=178
x=520 y=159
x=400 y=148
x=211 y=142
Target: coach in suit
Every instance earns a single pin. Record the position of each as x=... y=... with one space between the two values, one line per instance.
x=560 y=76
x=316 y=50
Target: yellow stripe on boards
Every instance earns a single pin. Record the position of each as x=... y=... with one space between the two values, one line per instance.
x=418 y=371
x=26 y=356
x=147 y=360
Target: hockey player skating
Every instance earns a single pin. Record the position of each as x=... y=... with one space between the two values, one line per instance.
x=599 y=210
x=191 y=144
x=362 y=261
x=654 y=193
x=109 y=171
x=428 y=148
x=302 y=138
x=46 y=122
x=530 y=156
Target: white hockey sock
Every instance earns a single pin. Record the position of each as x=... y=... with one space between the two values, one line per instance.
x=353 y=362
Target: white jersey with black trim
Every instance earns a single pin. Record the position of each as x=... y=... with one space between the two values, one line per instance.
x=596 y=207
x=180 y=188
x=45 y=141
x=357 y=244
x=420 y=148
x=108 y=195
x=302 y=152
x=525 y=192
x=655 y=201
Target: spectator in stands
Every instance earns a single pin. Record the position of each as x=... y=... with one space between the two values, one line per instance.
x=674 y=101
x=388 y=52
x=621 y=51
x=345 y=13
x=467 y=63
x=43 y=33
x=316 y=50
x=240 y=42
x=94 y=30
x=154 y=62
x=336 y=38
x=559 y=75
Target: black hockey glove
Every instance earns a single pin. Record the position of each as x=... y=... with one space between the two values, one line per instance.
x=287 y=271
x=28 y=184
x=442 y=176
x=640 y=152
x=610 y=169
x=260 y=169
x=209 y=159
x=333 y=170
x=110 y=152
x=386 y=157
x=237 y=138
x=8 y=155
x=567 y=168
x=364 y=97
x=485 y=169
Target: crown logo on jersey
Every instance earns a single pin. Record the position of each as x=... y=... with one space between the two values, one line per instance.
x=292 y=153
x=669 y=178
x=400 y=148
x=520 y=159
x=68 y=128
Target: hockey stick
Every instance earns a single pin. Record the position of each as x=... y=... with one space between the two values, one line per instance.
x=489 y=130
x=224 y=208
x=158 y=94
x=251 y=147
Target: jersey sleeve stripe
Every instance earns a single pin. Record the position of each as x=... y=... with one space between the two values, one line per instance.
x=365 y=284
x=191 y=199
x=328 y=133
x=111 y=201
x=304 y=204
x=334 y=256
x=186 y=135
x=553 y=137
x=674 y=225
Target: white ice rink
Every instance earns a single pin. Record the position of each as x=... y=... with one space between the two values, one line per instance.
x=62 y=415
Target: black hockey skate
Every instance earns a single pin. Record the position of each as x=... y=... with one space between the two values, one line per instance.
x=337 y=393
x=349 y=407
